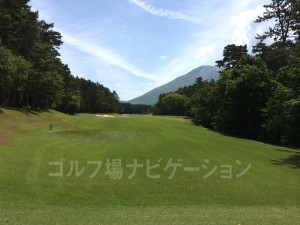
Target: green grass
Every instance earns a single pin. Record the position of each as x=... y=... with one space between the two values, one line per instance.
x=267 y=194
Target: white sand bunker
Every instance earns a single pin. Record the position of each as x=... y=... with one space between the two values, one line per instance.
x=105 y=116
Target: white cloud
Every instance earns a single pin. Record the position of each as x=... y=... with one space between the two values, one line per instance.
x=204 y=50
x=118 y=84
x=242 y=25
x=105 y=54
x=163 y=57
x=164 y=13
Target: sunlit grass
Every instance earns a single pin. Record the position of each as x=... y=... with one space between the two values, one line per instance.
x=266 y=194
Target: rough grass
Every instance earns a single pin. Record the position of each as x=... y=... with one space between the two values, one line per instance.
x=267 y=194
x=140 y=215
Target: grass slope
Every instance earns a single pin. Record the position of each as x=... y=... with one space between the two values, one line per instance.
x=267 y=194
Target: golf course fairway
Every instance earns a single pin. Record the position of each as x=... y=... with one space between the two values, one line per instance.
x=139 y=169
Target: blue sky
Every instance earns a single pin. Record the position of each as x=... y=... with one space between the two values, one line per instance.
x=133 y=46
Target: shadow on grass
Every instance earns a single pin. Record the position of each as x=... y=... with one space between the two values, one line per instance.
x=29 y=111
x=1 y=111
x=293 y=161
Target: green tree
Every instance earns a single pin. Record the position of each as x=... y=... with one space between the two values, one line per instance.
x=175 y=104
x=14 y=71
x=283 y=108
x=19 y=26
x=72 y=96
x=204 y=105
x=231 y=55
x=159 y=108
x=32 y=73
x=242 y=93
x=285 y=34
x=71 y=103
x=295 y=5
x=275 y=55
x=281 y=12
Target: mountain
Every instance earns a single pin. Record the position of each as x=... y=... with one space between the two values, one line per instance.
x=151 y=97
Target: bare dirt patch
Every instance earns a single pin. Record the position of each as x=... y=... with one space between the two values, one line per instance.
x=105 y=116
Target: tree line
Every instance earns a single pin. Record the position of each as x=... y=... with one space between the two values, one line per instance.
x=31 y=72
x=257 y=95
x=128 y=108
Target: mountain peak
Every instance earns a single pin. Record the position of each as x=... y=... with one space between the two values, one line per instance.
x=151 y=97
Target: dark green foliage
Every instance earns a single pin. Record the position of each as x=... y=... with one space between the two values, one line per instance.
x=231 y=55
x=249 y=101
x=175 y=104
x=72 y=97
x=283 y=121
x=295 y=16
x=172 y=104
x=187 y=92
x=96 y=98
x=235 y=103
x=32 y=74
x=204 y=105
x=159 y=108
x=285 y=34
x=275 y=55
x=127 y=108
x=242 y=95
x=14 y=72
x=256 y=96
x=19 y=26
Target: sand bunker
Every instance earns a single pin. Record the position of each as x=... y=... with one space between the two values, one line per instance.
x=105 y=116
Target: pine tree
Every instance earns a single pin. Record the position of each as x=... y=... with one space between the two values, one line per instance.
x=280 y=11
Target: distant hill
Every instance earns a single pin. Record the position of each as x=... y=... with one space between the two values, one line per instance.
x=151 y=97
